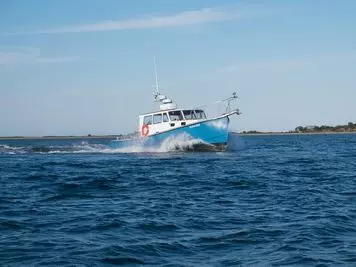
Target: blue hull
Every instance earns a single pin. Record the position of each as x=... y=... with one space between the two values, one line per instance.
x=206 y=135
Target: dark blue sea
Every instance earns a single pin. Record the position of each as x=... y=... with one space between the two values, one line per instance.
x=269 y=201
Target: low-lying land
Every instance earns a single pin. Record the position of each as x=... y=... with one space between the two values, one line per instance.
x=323 y=129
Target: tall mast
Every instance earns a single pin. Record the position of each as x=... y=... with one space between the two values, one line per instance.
x=156 y=75
x=166 y=103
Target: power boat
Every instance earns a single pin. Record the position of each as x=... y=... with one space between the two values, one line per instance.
x=176 y=128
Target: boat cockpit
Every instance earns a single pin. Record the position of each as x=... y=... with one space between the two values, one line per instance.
x=161 y=121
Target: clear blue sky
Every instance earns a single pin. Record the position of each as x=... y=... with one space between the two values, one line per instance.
x=78 y=67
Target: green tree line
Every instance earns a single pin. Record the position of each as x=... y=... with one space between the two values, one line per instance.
x=350 y=127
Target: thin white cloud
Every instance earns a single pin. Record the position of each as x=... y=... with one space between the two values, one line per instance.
x=204 y=15
x=30 y=56
x=288 y=64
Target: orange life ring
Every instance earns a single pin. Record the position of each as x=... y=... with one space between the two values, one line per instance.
x=145 y=130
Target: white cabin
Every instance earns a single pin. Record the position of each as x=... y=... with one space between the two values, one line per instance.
x=164 y=120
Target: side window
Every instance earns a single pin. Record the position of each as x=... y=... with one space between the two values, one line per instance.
x=157 y=118
x=165 y=117
x=147 y=120
x=175 y=115
x=189 y=114
x=200 y=114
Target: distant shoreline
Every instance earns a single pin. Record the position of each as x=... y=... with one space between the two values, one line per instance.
x=125 y=136
x=294 y=133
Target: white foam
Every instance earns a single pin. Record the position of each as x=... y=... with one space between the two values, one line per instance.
x=11 y=149
x=181 y=142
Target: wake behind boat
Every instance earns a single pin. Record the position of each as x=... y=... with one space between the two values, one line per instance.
x=181 y=129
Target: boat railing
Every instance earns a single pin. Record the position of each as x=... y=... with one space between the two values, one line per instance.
x=231 y=103
x=222 y=107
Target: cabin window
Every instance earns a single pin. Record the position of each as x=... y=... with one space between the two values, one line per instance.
x=200 y=114
x=189 y=115
x=175 y=115
x=165 y=117
x=157 y=118
x=147 y=120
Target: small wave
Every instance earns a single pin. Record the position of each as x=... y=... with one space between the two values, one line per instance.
x=63 y=196
x=17 y=224
x=43 y=149
x=237 y=235
x=122 y=260
x=158 y=226
x=82 y=147
x=11 y=150
x=182 y=142
x=114 y=224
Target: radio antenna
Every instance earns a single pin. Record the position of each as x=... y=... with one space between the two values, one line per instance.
x=156 y=75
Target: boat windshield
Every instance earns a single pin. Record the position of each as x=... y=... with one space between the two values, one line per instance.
x=189 y=115
x=165 y=117
x=157 y=118
x=175 y=115
x=200 y=114
x=147 y=120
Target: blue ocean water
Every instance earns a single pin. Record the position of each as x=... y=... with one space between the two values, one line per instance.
x=273 y=201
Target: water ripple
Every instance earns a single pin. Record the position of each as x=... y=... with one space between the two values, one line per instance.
x=279 y=201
